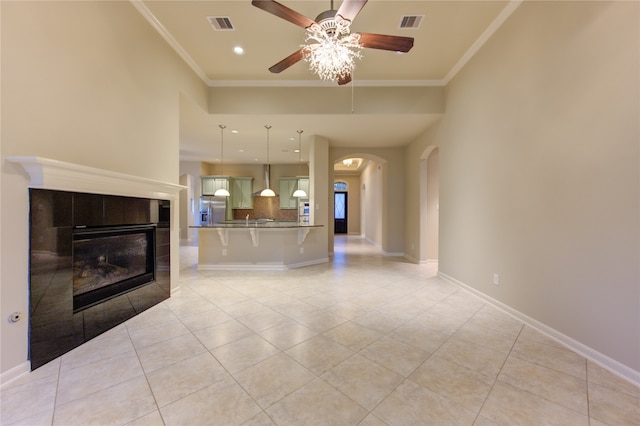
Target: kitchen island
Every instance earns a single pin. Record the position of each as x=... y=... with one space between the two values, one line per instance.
x=260 y=245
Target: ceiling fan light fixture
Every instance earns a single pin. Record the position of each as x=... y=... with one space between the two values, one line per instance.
x=332 y=54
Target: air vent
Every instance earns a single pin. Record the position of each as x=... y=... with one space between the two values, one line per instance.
x=221 y=23
x=411 y=21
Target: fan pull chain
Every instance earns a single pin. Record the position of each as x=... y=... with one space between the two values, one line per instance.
x=352 y=92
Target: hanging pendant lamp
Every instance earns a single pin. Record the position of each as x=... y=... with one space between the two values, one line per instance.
x=267 y=192
x=299 y=193
x=221 y=192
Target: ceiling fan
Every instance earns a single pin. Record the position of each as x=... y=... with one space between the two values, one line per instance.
x=331 y=28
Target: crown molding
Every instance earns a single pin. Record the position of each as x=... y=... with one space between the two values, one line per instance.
x=320 y=83
x=486 y=35
x=166 y=35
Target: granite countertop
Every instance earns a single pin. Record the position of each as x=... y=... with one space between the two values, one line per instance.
x=252 y=224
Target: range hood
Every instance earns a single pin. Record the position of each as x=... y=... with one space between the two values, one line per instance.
x=267 y=179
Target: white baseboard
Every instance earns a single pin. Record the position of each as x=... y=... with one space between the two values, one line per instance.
x=14 y=373
x=589 y=353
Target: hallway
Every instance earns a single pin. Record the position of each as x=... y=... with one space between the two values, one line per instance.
x=362 y=340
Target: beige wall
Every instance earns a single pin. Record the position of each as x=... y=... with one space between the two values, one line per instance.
x=539 y=172
x=76 y=89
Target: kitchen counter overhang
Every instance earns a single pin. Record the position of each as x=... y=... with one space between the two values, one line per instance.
x=261 y=245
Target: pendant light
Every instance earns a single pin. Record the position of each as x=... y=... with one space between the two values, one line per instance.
x=299 y=193
x=221 y=192
x=267 y=192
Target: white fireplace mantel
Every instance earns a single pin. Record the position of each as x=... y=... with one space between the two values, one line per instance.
x=46 y=173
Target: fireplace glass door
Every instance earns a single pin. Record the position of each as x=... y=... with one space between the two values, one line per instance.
x=110 y=261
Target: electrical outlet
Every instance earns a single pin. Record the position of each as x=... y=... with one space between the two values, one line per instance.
x=224 y=252
x=496 y=279
x=301 y=250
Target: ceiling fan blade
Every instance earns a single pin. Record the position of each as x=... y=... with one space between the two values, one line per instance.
x=295 y=57
x=344 y=80
x=386 y=42
x=349 y=9
x=282 y=11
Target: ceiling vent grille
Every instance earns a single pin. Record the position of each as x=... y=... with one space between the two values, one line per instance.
x=221 y=23
x=411 y=21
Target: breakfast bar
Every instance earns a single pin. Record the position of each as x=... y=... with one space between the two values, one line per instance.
x=259 y=245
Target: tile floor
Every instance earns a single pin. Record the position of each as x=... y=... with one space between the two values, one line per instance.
x=363 y=340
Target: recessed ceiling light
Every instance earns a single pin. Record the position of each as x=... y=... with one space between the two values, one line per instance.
x=241 y=150
x=234 y=131
x=238 y=50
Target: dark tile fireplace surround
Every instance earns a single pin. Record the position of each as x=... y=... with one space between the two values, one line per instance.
x=95 y=261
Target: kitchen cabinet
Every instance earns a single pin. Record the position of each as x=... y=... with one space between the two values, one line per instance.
x=287 y=187
x=242 y=193
x=210 y=184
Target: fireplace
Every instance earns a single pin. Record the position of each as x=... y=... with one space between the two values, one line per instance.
x=95 y=261
x=111 y=261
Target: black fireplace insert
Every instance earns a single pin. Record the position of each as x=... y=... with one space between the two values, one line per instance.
x=111 y=261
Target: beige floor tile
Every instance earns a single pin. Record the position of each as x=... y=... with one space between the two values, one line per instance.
x=273 y=379
x=287 y=334
x=157 y=314
x=262 y=320
x=353 y=336
x=603 y=377
x=40 y=418
x=475 y=357
x=612 y=407
x=487 y=337
x=112 y=343
x=222 y=334
x=243 y=353
x=295 y=308
x=395 y=355
x=261 y=419
x=222 y=403
x=420 y=337
x=455 y=382
x=532 y=334
x=316 y=403
x=182 y=378
x=78 y=382
x=206 y=319
x=554 y=357
x=170 y=351
x=437 y=322
x=21 y=400
x=321 y=321
x=146 y=336
x=319 y=354
x=152 y=419
x=118 y=404
x=561 y=388
x=509 y=405
x=363 y=380
x=375 y=320
x=411 y=404
x=493 y=318
x=346 y=310
x=372 y=420
x=244 y=308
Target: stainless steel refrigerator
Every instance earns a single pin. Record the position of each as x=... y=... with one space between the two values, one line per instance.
x=212 y=210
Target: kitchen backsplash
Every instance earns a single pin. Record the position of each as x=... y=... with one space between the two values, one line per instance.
x=266 y=208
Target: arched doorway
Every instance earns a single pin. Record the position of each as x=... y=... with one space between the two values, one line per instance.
x=429 y=205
